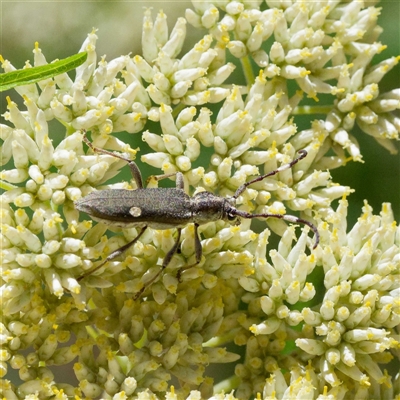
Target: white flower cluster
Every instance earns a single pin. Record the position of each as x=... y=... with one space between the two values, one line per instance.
x=347 y=333
x=340 y=327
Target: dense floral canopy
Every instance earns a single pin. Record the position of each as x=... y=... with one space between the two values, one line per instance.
x=296 y=321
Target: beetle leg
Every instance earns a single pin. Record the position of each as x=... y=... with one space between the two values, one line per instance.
x=137 y=176
x=166 y=261
x=197 y=244
x=198 y=250
x=180 y=183
x=179 y=179
x=113 y=255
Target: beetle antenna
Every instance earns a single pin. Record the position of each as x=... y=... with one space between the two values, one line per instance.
x=289 y=218
x=242 y=188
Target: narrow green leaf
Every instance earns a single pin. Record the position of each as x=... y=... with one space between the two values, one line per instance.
x=26 y=76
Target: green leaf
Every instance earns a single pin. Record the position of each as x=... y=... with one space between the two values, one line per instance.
x=27 y=76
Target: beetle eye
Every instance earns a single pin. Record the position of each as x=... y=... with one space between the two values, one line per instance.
x=231 y=217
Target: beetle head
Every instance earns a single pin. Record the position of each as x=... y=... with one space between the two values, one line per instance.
x=208 y=207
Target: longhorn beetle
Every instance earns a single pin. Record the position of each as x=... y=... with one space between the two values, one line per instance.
x=166 y=208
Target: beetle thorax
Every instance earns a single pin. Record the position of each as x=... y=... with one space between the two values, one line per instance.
x=207 y=207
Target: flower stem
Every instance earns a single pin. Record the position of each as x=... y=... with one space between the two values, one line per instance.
x=247 y=70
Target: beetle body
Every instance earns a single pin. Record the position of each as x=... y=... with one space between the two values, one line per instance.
x=157 y=208
x=166 y=208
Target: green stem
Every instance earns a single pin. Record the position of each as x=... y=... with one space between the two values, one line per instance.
x=177 y=109
x=247 y=70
